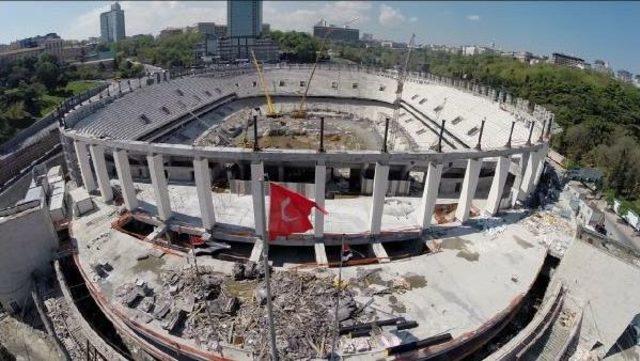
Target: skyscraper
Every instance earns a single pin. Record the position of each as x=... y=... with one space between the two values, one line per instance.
x=244 y=18
x=112 y=24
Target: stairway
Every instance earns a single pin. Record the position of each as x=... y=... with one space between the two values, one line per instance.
x=552 y=344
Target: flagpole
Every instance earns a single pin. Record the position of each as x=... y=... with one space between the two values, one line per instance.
x=335 y=336
x=265 y=259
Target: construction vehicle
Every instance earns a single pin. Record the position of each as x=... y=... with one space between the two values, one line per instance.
x=402 y=76
x=301 y=112
x=271 y=109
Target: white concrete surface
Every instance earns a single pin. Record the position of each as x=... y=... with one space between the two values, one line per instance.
x=469 y=186
x=380 y=181
x=159 y=181
x=429 y=194
x=100 y=166
x=85 y=166
x=202 y=175
x=123 y=169
x=497 y=185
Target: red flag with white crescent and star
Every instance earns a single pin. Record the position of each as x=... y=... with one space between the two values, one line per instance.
x=288 y=212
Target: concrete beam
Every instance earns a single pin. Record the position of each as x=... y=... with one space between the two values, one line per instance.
x=497 y=185
x=257 y=175
x=380 y=182
x=126 y=182
x=429 y=194
x=159 y=182
x=319 y=194
x=100 y=165
x=85 y=167
x=301 y=155
x=469 y=185
x=202 y=175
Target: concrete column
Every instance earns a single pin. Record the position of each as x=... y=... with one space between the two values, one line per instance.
x=100 y=165
x=318 y=217
x=543 y=157
x=429 y=194
x=159 y=182
x=380 y=181
x=202 y=174
x=528 y=178
x=126 y=182
x=257 y=175
x=85 y=167
x=497 y=185
x=469 y=185
x=515 y=189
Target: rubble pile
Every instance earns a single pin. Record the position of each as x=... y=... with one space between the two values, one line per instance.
x=551 y=229
x=212 y=308
x=66 y=327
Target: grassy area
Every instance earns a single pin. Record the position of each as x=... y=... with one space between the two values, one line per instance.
x=80 y=86
x=49 y=101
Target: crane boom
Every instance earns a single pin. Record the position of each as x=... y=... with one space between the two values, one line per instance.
x=271 y=109
x=402 y=76
x=301 y=112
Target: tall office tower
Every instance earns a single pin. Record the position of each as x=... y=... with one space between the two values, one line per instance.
x=112 y=24
x=244 y=18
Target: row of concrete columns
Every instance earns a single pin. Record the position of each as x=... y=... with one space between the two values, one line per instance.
x=529 y=172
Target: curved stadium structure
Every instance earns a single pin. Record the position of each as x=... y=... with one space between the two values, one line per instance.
x=178 y=160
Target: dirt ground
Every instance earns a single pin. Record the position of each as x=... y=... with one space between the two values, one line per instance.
x=355 y=134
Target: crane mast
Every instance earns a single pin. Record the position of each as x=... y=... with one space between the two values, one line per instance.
x=301 y=112
x=271 y=109
x=402 y=76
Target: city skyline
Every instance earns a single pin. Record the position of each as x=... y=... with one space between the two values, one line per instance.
x=541 y=28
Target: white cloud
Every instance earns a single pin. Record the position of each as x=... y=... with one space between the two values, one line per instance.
x=413 y=19
x=148 y=17
x=390 y=17
x=473 y=17
x=302 y=15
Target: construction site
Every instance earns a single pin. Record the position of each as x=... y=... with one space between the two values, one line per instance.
x=464 y=241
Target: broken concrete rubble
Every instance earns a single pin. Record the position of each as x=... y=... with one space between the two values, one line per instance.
x=213 y=308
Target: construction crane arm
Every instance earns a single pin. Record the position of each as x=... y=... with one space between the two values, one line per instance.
x=271 y=110
x=301 y=111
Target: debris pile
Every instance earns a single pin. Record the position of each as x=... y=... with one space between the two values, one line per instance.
x=214 y=309
x=551 y=230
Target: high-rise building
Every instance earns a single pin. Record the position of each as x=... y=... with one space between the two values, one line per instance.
x=244 y=18
x=337 y=33
x=112 y=24
x=567 y=60
x=625 y=76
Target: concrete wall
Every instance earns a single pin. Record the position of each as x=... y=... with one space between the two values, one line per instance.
x=28 y=242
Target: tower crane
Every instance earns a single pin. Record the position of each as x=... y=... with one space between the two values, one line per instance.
x=271 y=109
x=301 y=112
x=402 y=76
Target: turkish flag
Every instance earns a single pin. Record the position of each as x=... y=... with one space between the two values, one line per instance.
x=288 y=212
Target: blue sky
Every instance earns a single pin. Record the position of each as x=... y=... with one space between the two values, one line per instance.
x=591 y=30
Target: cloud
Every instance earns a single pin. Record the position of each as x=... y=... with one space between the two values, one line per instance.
x=390 y=17
x=148 y=17
x=473 y=17
x=281 y=15
x=413 y=19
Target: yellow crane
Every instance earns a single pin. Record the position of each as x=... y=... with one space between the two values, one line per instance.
x=271 y=109
x=301 y=112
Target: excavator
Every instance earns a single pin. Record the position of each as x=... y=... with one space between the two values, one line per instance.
x=301 y=112
x=271 y=109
